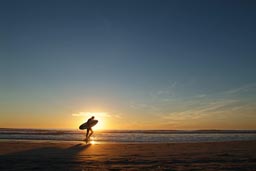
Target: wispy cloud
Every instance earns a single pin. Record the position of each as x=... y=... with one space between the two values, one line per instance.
x=228 y=104
x=98 y=114
x=201 y=96
x=172 y=84
x=79 y=114
x=165 y=92
x=201 y=111
x=244 y=88
x=103 y=114
x=156 y=98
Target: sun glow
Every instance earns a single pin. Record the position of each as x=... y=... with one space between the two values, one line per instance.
x=100 y=116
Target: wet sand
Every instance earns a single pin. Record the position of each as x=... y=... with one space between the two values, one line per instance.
x=33 y=155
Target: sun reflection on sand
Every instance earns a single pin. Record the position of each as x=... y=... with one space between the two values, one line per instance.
x=92 y=142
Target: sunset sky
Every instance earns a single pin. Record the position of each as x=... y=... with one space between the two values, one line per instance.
x=133 y=64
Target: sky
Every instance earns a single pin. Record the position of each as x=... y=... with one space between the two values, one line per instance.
x=133 y=64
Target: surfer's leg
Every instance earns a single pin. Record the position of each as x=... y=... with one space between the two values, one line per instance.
x=91 y=132
x=87 y=132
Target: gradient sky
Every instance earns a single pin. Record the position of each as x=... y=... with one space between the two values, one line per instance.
x=134 y=64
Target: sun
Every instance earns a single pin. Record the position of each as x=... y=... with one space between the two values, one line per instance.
x=101 y=117
x=101 y=120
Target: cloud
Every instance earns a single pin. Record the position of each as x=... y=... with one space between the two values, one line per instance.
x=200 y=95
x=103 y=114
x=201 y=111
x=219 y=106
x=244 y=88
x=223 y=105
x=172 y=84
x=79 y=114
x=96 y=114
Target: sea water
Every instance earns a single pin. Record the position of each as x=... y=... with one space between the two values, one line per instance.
x=127 y=136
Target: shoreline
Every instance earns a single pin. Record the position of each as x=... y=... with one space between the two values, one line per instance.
x=28 y=155
x=119 y=142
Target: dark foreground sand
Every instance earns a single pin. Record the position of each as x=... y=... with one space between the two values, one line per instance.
x=24 y=155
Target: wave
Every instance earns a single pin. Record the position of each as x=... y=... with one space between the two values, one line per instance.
x=129 y=136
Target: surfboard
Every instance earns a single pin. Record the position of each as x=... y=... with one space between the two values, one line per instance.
x=88 y=124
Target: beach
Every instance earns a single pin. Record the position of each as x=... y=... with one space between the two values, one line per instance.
x=61 y=155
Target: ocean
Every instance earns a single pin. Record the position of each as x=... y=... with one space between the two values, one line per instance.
x=128 y=136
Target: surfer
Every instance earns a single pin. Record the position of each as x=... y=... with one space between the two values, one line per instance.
x=88 y=126
x=89 y=131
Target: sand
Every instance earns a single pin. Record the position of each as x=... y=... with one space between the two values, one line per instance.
x=39 y=155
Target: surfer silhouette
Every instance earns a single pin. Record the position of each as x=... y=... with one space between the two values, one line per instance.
x=89 y=131
x=88 y=126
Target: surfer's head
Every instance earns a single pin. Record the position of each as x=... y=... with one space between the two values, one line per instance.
x=92 y=117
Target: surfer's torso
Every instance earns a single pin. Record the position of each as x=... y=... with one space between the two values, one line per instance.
x=89 y=120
